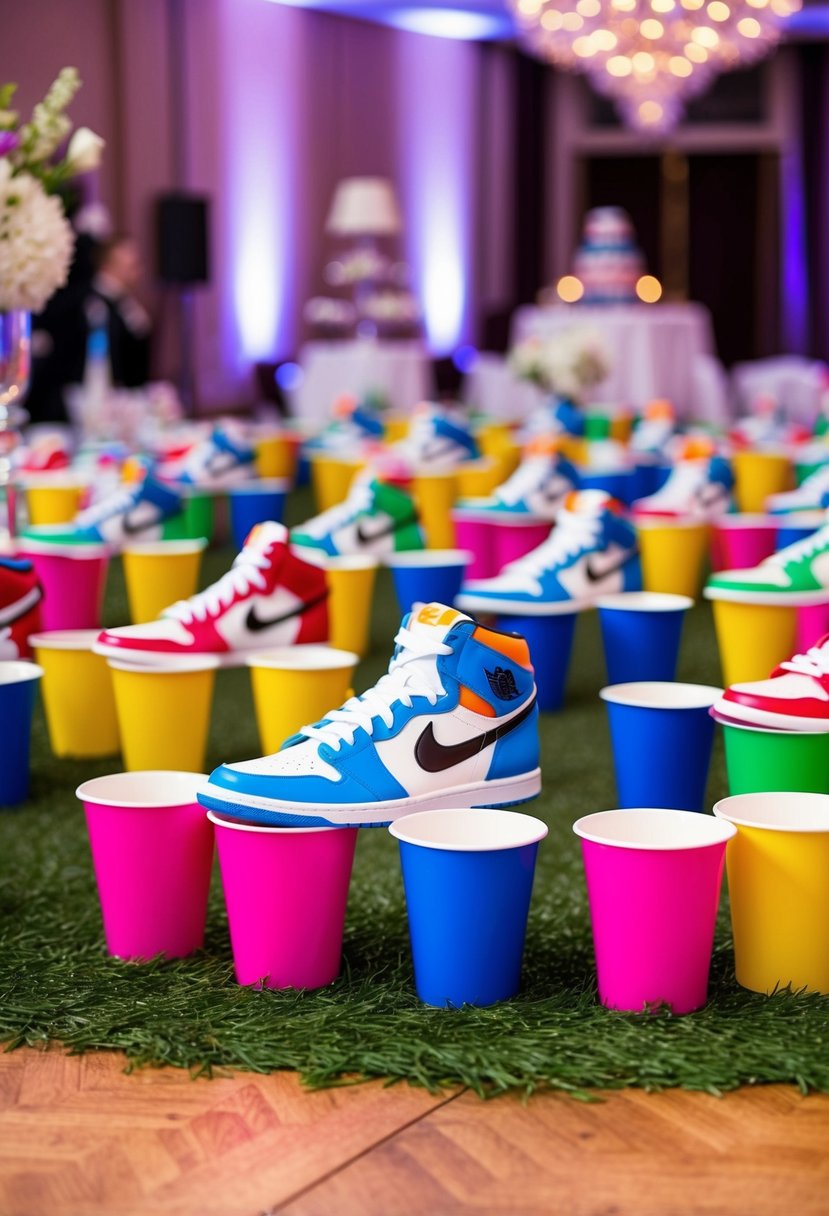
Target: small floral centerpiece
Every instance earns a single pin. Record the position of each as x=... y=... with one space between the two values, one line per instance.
x=566 y=364
x=36 y=240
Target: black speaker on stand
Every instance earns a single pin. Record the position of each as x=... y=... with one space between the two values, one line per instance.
x=182 y=244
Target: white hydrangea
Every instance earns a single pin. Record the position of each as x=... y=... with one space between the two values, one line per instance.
x=567 y=363
x=35 y=242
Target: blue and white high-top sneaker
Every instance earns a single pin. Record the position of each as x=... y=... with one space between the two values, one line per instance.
x=436 y=441
x=591 y=551
x=133 y=513
x=697 y=488
x=811 y=495
x=224 y=459
x=538 y=488
x=454 y=723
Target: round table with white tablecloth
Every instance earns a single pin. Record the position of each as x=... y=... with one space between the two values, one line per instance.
x=654 y=348
x=398 y=371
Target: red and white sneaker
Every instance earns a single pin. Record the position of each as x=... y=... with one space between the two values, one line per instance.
x=20 y=596
x=269 y=597
x=794 y=697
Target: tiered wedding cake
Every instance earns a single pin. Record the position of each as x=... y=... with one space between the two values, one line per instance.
x=608 y=262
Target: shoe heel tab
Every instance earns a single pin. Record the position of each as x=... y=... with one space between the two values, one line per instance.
x=512 y=645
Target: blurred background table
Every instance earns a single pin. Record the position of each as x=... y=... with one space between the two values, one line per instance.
x=399 y=372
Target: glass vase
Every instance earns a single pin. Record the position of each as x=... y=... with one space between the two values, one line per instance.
x=15 y=368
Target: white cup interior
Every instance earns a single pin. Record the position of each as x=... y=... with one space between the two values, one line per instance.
x=429 y=558
x=166 y=548
x=147 y=788
x=733 y=523
x=304 y=658
x=164 y=665
x=15 y=671
x=646 y=601
x=656 y=694
x=781 y=812
x=653 y=828
x=469 y=831
x=262 y=485
x=65 y=639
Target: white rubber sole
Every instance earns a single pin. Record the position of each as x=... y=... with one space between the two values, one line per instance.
x=744 y=715
x=506 y=791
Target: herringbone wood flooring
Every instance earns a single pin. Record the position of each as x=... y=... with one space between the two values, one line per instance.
x=80 y=1137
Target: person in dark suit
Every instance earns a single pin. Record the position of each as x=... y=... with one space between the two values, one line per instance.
x=111 y=299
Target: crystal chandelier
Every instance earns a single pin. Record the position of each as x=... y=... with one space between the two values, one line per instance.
x=652 y=56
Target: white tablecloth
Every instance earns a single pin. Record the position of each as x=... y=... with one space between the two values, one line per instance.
x=399 y=371
x=654 y=348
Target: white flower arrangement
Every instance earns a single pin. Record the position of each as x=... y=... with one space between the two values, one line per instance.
x=566 y=364
x=36 y=241
x=363 y=264
x=391 y=308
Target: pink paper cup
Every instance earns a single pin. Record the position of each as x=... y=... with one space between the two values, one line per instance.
x=514 y=539
x=474 y=531
x=286 y=891
x=73 y=578
x=740 y=542
x=152 y=852
x=653 y=883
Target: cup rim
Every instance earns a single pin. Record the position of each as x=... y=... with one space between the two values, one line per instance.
x=166 y=548
x=261 y=485
x=534 y=830
x=745 y=519
x=92 y=790
x=18 y=671
x=38 y=547
x=723 y=720
x=60 y=479
x=65 y=639
x=715 y=831
x=419 y=558
x=685 y=696
x=765 y=599
x=817 y=806
x=166 y=664
x=290 y=658
x=683 y=523
x=266 y=829
x=645 y=601
x=351 y=561
x=468 y=601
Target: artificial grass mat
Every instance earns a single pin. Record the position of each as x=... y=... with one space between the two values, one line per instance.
x=57 y=982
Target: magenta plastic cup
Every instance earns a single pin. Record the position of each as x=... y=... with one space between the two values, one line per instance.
x=515 y=537
x=475 y=532
x=739 y=542
x=812 y=624
x=653 y=883
x=73 y=578
x=152 y=852
x=286 y=891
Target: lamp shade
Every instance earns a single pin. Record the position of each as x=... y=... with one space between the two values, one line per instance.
x=364 y=206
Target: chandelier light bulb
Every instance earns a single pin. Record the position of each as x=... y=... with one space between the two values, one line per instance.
x=749 y=27
x=663 y=6
x=648 y=287
x=705 y=36
x=718 y=11
x=569 y=289
x=696 y=53
x=552 y=19
x=604 y=40
x=651 y=28
x=651 y=113
x=588 y=8
x=619 y=66
x=680 y=66
x=572 y=22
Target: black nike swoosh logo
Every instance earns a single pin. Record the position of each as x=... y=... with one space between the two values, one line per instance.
x=596 y=576
x=255 y=624
x=133 y=526
x=219 y=463
x=365 y=538
x=434 y=757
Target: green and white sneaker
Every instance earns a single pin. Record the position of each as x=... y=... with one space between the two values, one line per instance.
x=375 y=518
x=801 y=569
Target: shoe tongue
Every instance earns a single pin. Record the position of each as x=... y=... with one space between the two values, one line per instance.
x=435 y=620
x=263 y=537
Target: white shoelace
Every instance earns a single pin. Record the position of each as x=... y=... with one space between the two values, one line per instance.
x=527 y=477
x=412 y=673
x=686 y=477
x=814 y=662
x=359 y=499
x=572 y=534
x=243 y=574
x=800 y=548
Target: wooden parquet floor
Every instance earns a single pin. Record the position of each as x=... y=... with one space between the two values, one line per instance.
x=80 y=1137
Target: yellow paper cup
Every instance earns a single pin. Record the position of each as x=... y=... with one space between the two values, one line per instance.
x=296 y=686
x=478 y=478
x=159 y=573
x=53 y=500
x=777 y=883
x=350 y=594
x=276 y=455
x=164 y=712
x=396 y=428
x=759 y=474
x=435 y=495
x=752 y=638
x=77 y=694
x=673 y=553
x=331 y=479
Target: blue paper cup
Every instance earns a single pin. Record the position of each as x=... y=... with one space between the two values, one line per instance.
x=468 y=877
x=427 y=576
x=797 y=525
x=662 y=735
x=641 y=631
x=621 y=484
x=18 y=686
x=550 y=639
x=254 y=503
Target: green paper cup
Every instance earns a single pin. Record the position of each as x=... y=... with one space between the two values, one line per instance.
x=196 y=519
x=758 y=760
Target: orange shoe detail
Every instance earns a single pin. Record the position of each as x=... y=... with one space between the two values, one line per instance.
x=470 y=700
x=510 y=645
